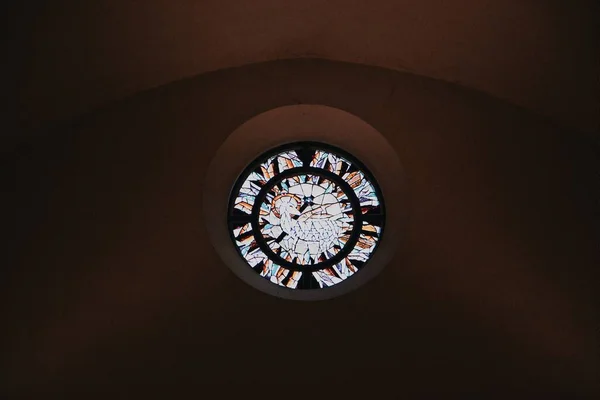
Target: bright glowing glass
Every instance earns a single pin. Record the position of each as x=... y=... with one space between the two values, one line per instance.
x=306 y=217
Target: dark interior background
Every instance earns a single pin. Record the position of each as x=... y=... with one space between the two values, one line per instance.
x=111 y=286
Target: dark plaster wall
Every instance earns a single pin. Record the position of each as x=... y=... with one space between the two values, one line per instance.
x=112 y=286
x=542 y=55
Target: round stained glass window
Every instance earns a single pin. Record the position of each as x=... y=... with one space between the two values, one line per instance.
x=306 y=216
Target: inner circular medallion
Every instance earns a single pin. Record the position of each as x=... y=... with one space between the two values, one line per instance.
x=308 y=218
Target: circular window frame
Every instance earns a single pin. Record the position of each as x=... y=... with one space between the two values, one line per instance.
x=304 y=123
x=309 y=148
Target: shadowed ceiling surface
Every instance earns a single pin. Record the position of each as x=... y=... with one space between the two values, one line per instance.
x=493 y=289
x=76 y=56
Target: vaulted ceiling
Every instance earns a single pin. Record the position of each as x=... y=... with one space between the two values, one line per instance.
x=493 y=286
x=74 y=56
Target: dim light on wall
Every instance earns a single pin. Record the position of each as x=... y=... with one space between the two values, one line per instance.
x=294 y=202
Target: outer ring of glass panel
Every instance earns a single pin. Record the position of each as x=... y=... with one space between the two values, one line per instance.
x=367 y=221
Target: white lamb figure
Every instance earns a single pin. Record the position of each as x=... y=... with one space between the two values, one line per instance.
x=318 y=226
